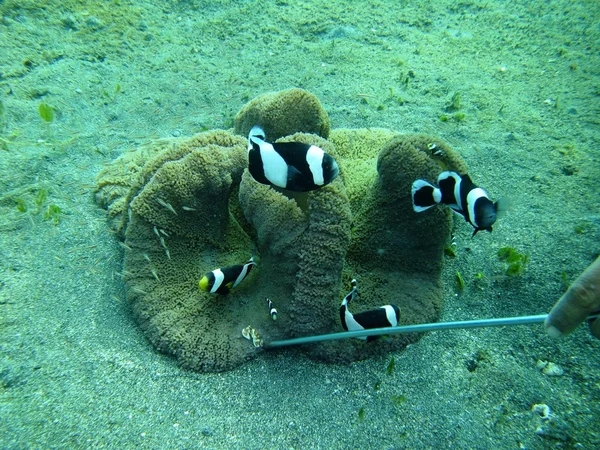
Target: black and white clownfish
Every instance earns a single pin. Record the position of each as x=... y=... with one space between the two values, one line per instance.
x=384 y=316
x=463 y=196
x=289 y=165
x=271 y=308
x=221 y=280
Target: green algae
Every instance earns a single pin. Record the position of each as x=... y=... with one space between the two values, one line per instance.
x=515 y=260
x=46 y=112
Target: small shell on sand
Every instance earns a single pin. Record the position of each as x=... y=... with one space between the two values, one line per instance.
x=246 y=332
x=542 y=409
x=549 y=368
x=553 y=370
x=256 y=340
x=251 y=334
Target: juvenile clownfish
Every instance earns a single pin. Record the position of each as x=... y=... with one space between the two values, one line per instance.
x=289 y=165
x=271 y=308
x=221 y=280
x=384 y=316
x=463 y=196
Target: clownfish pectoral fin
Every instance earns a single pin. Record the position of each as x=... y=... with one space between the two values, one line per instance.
x=501 y=206
x=223 y=290
x=424 y=195
x=296 y=181
x=455 y=209
x=488 y=229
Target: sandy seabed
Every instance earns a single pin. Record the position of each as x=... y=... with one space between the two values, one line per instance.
x=76 y=372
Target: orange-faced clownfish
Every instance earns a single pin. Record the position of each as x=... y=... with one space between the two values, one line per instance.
x=385 y=316
x=222 y=280
x=289 y=165
x=463 y=196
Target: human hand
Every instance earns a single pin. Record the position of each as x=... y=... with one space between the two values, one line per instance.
x=581 y=299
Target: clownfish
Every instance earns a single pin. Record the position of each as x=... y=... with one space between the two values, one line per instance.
x=221 y=280
x=384 y=316
x=462 y=196
x=271 y=308
x=289 y=165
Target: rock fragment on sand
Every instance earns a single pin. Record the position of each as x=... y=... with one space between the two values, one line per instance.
x=550 y=369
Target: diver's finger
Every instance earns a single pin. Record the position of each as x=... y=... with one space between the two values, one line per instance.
x=581 y=299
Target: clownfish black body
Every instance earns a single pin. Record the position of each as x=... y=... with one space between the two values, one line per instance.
x=463 y=196
x=385 y=316
x=289 y=165
x=220 y=281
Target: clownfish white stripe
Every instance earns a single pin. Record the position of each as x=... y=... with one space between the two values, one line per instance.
x=242 y=275
x=449 y=186
x=274 y=166
x=348 y=322
x=457 y=196
x=314 y=158
x=219 y=277
x=351 y=323
x=390 y=313
x=472 y=197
